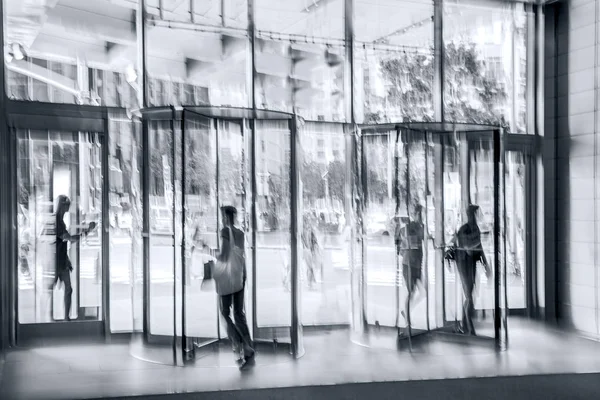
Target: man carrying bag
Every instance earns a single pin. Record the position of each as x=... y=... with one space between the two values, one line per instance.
x=229 y=274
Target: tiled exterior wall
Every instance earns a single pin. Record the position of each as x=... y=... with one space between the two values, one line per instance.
x=571 y=124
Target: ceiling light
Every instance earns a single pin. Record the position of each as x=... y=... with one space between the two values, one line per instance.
x=130 y=74
x=17 y=51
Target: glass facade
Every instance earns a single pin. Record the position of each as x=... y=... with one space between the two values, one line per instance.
x=321 y=202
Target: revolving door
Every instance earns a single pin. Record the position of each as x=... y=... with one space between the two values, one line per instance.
x=432 y=234
x=198 y=160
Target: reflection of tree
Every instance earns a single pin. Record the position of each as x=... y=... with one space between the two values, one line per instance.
x=336 y=177
x=470 y=94
x=314 y=187
x=199 y=174
x=277 y=199
x=377 y=187
x=230 y=174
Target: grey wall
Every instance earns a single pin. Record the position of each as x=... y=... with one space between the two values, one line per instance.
x=571 y=140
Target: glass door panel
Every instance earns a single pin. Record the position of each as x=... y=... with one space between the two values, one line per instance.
x=516 y=228
x=453 y=205
x=413 y=239
x=201 y=225
x=325 y=239
x=162 y=249
x=481 y=176
x=51 y=164
x=383 y=273
x=273 y=229
x=125 y=217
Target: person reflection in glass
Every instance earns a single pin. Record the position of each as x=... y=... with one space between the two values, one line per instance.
x=238 y=332
x=468 y=250
x=63 y=263
x=411 y=242
x=311 y=248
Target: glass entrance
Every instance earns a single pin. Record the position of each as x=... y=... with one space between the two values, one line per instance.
x=60 y=257
x=433 y=229
x=200 y=160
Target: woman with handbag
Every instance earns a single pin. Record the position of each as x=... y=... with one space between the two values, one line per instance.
x=229 y=274
x=467 y=250
x=63 y=263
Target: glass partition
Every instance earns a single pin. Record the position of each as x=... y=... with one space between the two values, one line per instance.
x=434 y=225
x=125 y=218
x=201 y=224
x=325 y=237
x=53 y=273
x=273 y=224
x=162 y=252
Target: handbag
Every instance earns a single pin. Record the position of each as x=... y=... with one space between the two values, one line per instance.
x=229 y=274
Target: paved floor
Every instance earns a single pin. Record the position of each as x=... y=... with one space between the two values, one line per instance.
x=78 y=371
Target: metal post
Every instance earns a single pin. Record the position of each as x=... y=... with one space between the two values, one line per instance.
x=146 y=227
x=502 y=190
x=184 y=272
x=295 y=147
x=174 y=221
x=254 y=219
x=106 y=229
x=363 y=201
x=440 y=240
x=497 y=278
x=426 y=231
x=218 y=211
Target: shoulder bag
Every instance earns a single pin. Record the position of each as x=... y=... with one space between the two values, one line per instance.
x=229 y=274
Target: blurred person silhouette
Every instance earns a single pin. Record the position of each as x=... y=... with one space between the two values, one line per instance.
x=63 y=263
x=312 y=253
x=229 y=274
x=411 y=243
x=466 y=250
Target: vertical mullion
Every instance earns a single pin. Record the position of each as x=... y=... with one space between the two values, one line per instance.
x=497 y=316
x=184 y=273
x=146 y=227
x=173 y=222
x=105 y=228
x=296 y=328
x=254 y=223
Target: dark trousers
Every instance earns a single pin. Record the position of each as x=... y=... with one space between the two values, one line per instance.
x=65 y=277
x=238 y=332
x=466 y=270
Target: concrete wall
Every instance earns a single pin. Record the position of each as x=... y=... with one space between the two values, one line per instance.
x=571 y=129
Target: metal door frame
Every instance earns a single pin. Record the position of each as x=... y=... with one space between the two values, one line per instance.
x=65 y=118
x=242 y=116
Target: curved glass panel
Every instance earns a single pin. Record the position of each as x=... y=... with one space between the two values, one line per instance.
x=201 y=225
x=273 y=224
x=125 y=217
x=162 y=248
